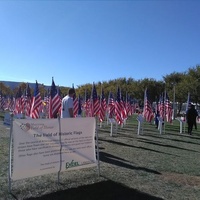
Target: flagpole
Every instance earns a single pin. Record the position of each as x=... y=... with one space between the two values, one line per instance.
x=145 y=91
x=100 y=106
x=85 y=104
x=108 y=107
x=92 y=103
x=174 y=101
x=121 y=103
x=164 y=110
x=126 y=110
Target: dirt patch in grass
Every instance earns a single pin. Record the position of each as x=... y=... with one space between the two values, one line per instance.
x=181 y=179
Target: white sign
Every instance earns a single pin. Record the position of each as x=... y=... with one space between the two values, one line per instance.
x=37 y=146
x=112 y=120
x=7 y=118
x=140 y=118
x=78 y=143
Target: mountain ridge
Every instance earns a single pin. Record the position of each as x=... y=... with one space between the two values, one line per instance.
x=15 y=84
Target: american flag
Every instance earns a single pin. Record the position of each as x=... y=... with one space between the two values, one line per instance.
x=23 y=102
x=36 y=103
x=123 y=109
x=104 y=100
x=28 y=101
x=46 y=102
x=11 y=104
x=102 y=107
x=161 y=107
x=118 y=108
x=101 y=113
x=18 y=102
x=168 y=109
x=6 y=102
x=60 y=96
x=111 y=106
x=87 y=104
x=94 y=102
x=75 y=105
x=2 y=101
x=101 y=110
x=54 y=101
x=148 y=112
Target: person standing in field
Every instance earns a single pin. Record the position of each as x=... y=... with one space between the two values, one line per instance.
x=191 y=117
x=67 y=105
x=157 y=115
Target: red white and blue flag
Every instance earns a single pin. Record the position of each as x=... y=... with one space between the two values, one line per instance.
x=54 y=101
x=11 y=104
x=118 y=108
x=161 y=107
x=168 y=109
x=36 y=103
x=102 y=107
x=111 y=106
x=28 y=101
x=18 y=102
x=94 y=102
x=148 y=112
x=75 y=105
x=87 y=105
x=2 y=101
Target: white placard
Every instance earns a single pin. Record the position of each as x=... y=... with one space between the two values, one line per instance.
x=140 y=118
x=78 y=143
x=7 y=118
x=112 y=120
x=37 y=146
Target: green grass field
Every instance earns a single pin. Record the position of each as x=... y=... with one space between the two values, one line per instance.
x=146 y=166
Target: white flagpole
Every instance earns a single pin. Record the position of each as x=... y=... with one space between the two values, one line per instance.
x=85 y=105
x=145 y=94
x=164 y=110
x=107 y=113
x=100 y=106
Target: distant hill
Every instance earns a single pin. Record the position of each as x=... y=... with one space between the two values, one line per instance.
x=13 y=84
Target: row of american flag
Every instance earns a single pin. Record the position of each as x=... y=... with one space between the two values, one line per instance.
x=90 y=106
x=163 y=106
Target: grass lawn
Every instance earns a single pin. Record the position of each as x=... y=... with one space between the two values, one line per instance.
x=146 y=166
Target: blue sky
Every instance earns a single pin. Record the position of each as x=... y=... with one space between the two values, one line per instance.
x=79 y=42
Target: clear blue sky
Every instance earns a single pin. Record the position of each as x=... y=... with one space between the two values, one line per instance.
x=90 y=41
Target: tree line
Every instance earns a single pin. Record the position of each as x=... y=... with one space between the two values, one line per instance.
x=176 y=84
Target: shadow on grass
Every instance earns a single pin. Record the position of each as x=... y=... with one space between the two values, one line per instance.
x=108 y=158
x=144 y=148
x=165 y=145
x=105 y=190
x=176 y=140
x=186 y=135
